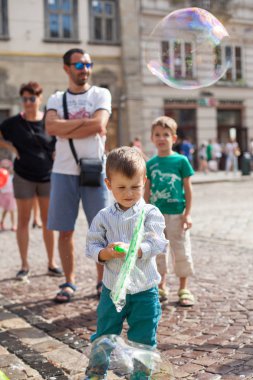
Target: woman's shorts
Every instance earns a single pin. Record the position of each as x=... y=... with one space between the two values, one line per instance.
x=24 y=189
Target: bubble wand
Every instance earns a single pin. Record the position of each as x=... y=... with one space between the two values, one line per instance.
x=118 y=293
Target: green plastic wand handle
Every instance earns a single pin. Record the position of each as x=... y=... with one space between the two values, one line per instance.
x=117 y=248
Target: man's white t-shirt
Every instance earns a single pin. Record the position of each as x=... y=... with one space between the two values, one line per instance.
x=80 y=106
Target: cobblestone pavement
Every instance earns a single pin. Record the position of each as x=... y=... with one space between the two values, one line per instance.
x=211 y=341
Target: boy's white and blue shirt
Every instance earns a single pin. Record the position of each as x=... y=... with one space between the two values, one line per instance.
x=112 y=224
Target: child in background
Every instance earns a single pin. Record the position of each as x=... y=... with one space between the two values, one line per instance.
x=7 y=200
x=138 y=144
x=114 y=225
x=169 y=188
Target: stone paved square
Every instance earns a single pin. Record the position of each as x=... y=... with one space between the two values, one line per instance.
x=210 y=341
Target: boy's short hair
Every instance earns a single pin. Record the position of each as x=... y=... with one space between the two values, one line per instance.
x=125 y=160
x=165 y=122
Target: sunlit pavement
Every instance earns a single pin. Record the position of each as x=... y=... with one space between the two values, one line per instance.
x=210 y=341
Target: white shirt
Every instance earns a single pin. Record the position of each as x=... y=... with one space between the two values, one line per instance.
x=112 y=224
x=80 y=106
x=230 y=148
x=216 y=150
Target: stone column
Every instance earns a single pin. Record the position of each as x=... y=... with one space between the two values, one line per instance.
x=206 y=123
x=131 y=67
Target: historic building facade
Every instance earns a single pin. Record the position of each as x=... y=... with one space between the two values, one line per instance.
x=34 y=34
x=220 y=111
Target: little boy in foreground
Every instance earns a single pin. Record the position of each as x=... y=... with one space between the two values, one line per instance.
x=169 y=188
x=114 y=225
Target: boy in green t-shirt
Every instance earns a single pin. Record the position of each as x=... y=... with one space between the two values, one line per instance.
x=169 y=188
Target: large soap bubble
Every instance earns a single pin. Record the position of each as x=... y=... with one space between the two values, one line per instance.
x=185 y=49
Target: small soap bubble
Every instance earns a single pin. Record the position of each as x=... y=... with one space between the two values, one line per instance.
x=185 y=49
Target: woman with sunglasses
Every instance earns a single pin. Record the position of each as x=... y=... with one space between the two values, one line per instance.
x=25 y=136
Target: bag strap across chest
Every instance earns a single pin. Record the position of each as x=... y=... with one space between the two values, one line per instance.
x=66 y=117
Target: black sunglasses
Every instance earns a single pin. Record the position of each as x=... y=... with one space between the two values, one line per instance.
x=80 y=65
x=31 y=99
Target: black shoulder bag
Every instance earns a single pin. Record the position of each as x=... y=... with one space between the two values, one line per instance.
x=90 y=168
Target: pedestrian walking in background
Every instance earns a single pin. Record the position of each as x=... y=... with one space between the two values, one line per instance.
x=187 y=149
x=209 y=151
x=216 y=153
x=114 y=225
x=169 y=188
x=7 y=200
x=138 y=144
x=212 y=163
x=25 y=136
x=232 y=153
x=251 y=152
x=177 y=145
x=88 y=109
x=202 y=155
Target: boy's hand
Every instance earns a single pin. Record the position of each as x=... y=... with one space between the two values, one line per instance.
x=187 y=222
x=122 y=246
x=125 y=247
x=110 y=253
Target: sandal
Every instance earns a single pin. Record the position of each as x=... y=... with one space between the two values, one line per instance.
x=163 y=294
x=64 y=296
x=99 y=287
x=186 y=298
x=36 y=224
x=55 y=272
x=22 y=275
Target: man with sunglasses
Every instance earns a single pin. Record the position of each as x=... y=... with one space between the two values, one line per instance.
x=88 y=110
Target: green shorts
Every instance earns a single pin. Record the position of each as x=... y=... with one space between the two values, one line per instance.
x=142 y=325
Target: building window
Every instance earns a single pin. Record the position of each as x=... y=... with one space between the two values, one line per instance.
x=220 y=7
x=178 y=59
x=61 y=22
x=233 y=55
x=104 y=24
x=3 y=19
x=186 y=120
x=206 y=4
x=229 y=118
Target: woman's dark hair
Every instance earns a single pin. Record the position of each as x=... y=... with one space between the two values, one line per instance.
x=67 y=56
x=34 y=88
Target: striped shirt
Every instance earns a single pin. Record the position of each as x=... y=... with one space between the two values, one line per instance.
x=112 y=224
